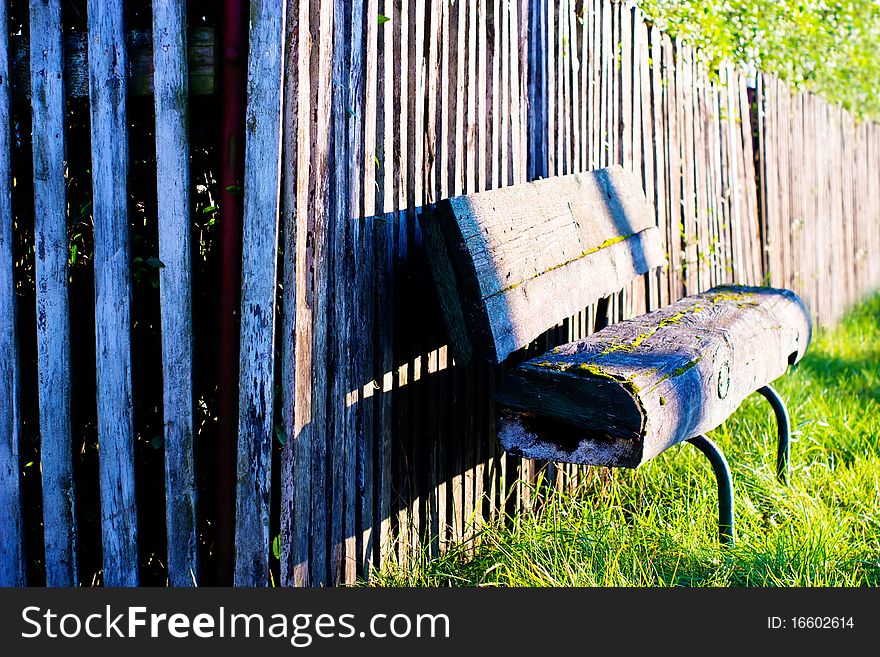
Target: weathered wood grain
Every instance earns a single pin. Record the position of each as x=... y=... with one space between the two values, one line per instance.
x=383 y=257
x=630 y=391
x=357 y=494
x=513 y=250
x=53 y=318
x=175 y=286
x=258 y=274
x=340 y=329
x=319 y=257
x=139 y=45
x=107 y=96
x=12 y=572
x=294 y=527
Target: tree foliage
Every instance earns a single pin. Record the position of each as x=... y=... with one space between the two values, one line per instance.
x=827 y=46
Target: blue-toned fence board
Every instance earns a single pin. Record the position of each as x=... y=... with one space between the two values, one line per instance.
x=11 y=557
x=173 y=195
x=107 y=77
x=258 y=275
x=53 y=318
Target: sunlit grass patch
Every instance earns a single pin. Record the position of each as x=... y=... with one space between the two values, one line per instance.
x=657 y=525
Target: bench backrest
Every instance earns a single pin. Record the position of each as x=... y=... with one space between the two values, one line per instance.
x=513 y=262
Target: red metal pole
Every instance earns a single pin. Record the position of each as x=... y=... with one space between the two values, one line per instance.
x=233 y=103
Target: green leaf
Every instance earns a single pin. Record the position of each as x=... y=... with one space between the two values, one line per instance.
x=234 y=189
x=210 y=209
x=383 y=19
x=156 y=442
x=276 y=547
x=28 y=464
x=280 y=435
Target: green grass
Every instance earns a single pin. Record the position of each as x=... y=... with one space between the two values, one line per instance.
x=657 y=526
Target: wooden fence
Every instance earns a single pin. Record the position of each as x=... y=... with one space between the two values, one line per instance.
x=360 y=113
x=820 y=202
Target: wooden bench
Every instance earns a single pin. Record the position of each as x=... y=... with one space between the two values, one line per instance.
x=509 y=264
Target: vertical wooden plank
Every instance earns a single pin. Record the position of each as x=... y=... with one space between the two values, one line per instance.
x=53 y=320
x=415 y=197
x=485 y=453
x=701 y=187
x=645 y=145
x=521 y=104
x=585 y=21
x=748 y=169
x=453 y=29
x=606 y=139
x=463 y=166
x=539 y=109
x=658 y=116
x=752 y=264
x=367 y=445
x=402 y=369
x=435 y=421
x=489 y=147
x=671 y=56
x=108 y=71
x=370 y=108
x=563 y=100
x=615 y=127
x=727 y=234
x=797 y=209
x=476 y=104
x=471 y=91
x=596 y=146
x=721 y=223
x=688 y=164
x=12 y=571
x=358 y=486
x=503 y=25
x=773 y=238
x=295 y=338
x=339 y=327
x=576 y=97
x=175 y=285
x=784 y=225
x=258 y=274
x=626 y=98
x=763 y=164
x=319 y=258
x=483 y=97
x=345 y=211
x=384 y=261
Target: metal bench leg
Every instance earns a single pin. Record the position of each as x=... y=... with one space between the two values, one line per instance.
x=726 y=529
x=783 y=432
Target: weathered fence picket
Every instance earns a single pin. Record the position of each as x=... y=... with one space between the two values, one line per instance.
x=258 y=275
x=12 y=571
x=107 y=95
x=170 y=81
x=53 y=318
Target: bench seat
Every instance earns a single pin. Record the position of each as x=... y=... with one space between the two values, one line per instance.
x=623 y=395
